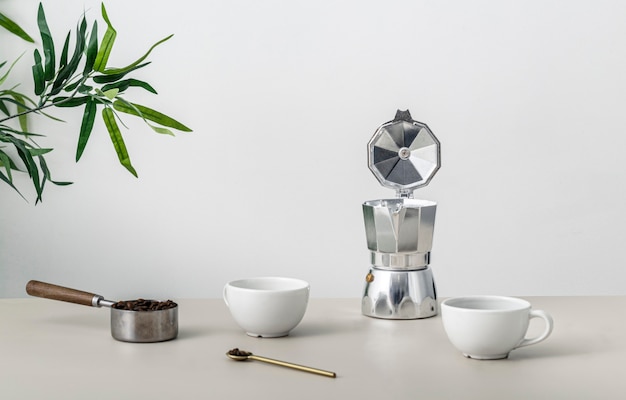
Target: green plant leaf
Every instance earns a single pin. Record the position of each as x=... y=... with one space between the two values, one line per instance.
x=46 y=172
x=66 y=72
x=44 y=178
x=116 y=77
x=21 y=107
x=107 y=44
x=116 y=71
x=5 y=159
x=84 y=89
x=70 y=101
x=38 y=74
x=92 y=49
x=65 y=51
x=111 y=93
x=149 y=114
x=125 y=84
x=21 y=133
x=116 y=138
x=51 y=117
x=72 y=86
x=4 y=108
x=89 y=116
x=23 y=99
x=7 y=163
x=4 y=77
x=14 y=28
x=21 y=147
x=38 y=151
x=162 y=131
x=33 y=172
x=48 y=44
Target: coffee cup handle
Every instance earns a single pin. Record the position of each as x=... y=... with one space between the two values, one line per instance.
x=224 y=295
x=546 y=332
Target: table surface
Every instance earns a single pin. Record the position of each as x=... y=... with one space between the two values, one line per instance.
x=56 y=350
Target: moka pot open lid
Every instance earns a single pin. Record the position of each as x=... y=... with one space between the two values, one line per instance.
x=404 y=154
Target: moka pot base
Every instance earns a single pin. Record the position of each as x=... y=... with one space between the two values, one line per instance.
x=400 y=294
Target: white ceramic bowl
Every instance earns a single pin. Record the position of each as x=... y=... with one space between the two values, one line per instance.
x=267 y=306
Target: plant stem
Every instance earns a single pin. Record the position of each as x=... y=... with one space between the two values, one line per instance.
x=30 y=110
x=43 y=105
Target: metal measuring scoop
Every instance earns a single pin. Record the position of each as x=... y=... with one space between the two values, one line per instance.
x=126 y=325
x=241 y=355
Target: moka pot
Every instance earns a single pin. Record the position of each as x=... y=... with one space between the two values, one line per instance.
x=403 y=154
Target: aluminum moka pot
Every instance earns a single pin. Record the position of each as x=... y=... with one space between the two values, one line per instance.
x=403 y=154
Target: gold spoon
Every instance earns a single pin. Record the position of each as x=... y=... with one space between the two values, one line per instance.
x=241 y=355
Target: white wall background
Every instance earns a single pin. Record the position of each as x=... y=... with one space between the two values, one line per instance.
x=527 y=97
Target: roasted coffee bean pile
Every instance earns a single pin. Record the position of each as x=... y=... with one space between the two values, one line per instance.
x=237 y=352
x=144 y=305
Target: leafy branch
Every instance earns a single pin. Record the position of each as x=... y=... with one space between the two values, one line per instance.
x=79 y=78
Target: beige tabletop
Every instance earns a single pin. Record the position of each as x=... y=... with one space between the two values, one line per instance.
x=54 y=350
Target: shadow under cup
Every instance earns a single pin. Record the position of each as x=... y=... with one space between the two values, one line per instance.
x=267 y=306
x=489 y=327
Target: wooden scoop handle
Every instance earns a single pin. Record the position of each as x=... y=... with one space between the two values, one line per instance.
x=55 y=292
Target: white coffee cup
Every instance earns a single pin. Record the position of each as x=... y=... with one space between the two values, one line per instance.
x=267 y=306
x=489 y=327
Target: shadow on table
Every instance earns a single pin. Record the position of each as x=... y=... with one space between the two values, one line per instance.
x=102 y=323
x=556 y=350
x=190 y=332
x=91 y=322
x=320 y=329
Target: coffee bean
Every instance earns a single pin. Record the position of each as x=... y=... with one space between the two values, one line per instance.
x=144 y=305
x=237 y=352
